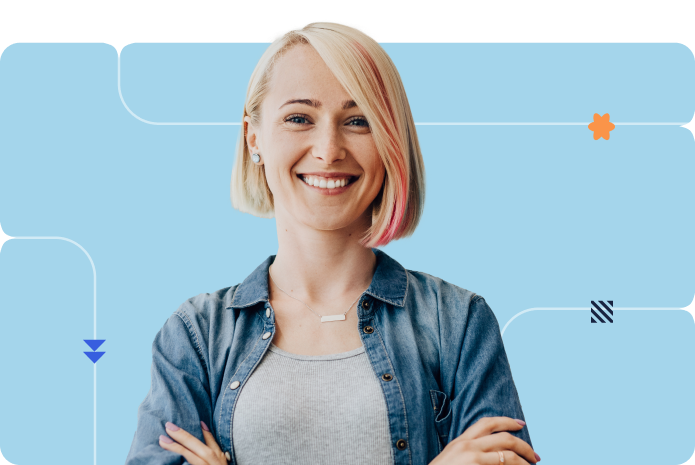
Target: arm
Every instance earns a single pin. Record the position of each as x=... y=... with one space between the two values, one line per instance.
x=483 y=383
x=180 y=392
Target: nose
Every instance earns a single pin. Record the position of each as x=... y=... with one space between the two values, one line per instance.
x=329 y=145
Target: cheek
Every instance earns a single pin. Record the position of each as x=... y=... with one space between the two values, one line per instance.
x=271 y=178
x=278 y=174
x=368 y=156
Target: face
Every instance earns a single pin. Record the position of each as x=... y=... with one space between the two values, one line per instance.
x=330 y=146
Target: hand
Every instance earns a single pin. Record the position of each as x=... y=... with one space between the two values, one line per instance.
x=478 y=446
x=194 y=451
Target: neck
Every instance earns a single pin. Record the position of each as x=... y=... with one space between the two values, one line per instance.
x=323 y=267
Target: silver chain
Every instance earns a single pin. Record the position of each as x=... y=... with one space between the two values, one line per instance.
x=350 y=307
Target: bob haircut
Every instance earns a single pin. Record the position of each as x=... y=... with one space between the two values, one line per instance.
x=369 y=76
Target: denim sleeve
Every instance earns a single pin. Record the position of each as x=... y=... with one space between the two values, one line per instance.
x=179 y=393
x=483 y=384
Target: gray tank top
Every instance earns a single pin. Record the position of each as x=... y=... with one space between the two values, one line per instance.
x=312 y=409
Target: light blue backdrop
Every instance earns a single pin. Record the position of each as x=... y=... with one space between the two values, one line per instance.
x=526 y=216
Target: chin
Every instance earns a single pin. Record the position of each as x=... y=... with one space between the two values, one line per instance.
x=327 y=224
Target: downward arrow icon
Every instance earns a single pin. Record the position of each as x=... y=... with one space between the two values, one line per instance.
x=94 y=344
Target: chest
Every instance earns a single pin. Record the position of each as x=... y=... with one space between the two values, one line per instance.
x=299 y=331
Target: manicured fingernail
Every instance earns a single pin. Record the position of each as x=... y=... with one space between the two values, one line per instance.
x=521 y=422
x=165 y=439
x=172 y=426
x=205 y=427
x=538 y=457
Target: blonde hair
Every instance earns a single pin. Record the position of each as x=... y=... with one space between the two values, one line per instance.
x=369 y=76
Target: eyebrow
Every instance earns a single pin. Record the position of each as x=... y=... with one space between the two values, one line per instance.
x=347 y=104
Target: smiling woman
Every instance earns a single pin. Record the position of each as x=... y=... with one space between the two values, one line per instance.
x=276 y=369
x=327 y=84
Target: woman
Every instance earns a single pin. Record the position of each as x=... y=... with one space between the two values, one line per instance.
x=330 y=351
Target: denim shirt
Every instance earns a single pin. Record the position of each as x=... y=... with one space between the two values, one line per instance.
x=436 y=350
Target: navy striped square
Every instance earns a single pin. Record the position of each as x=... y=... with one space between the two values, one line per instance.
x=599 y=311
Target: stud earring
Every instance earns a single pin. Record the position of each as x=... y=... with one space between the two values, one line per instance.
x=256 y=157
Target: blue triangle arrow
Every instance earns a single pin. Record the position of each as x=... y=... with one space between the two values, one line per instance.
x=94 y=343
x=94 y=356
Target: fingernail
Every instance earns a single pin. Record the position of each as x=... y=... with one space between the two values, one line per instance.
x=205 y=427
x=538 y=457
x=166 y=439
x=521 y=422
x=172 y=426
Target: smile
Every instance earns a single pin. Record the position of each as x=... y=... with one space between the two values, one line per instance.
x=328 y=186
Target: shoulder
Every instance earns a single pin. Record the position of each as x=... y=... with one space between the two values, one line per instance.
x=202 y=312
x=462 y=315
x=456 y=307
x=426 y=288
x=193 y=324
x=205 y=306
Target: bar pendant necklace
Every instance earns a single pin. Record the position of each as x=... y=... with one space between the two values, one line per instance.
x=324 y=318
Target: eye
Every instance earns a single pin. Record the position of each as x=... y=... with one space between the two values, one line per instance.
x=294 y=117
x=359 y=119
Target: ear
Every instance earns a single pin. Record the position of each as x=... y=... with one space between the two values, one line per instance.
x=252 y=137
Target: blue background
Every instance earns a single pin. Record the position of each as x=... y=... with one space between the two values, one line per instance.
x=526 y=216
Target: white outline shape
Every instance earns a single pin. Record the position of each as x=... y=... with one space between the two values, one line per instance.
x=4 y=238
x=120 y=94
x=690 y=309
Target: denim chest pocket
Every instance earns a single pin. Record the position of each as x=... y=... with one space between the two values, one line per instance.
x=442 y=415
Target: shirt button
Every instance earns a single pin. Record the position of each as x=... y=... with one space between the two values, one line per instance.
x=387 y=377
x=401 y=444
x=266 y=335
x=234 y=385
x=267 y=312
x=368 y=329
x=365 y=304
x=226 y=454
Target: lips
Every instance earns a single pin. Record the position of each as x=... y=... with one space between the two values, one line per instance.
x=327 y=186
x=326 y=174
x=350 y=179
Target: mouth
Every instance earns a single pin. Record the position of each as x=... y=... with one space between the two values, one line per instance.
x=327 y=183
x=328 y=186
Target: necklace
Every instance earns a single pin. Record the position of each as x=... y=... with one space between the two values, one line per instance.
x=324 y=318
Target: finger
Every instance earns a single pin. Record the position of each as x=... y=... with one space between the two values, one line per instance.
x=509 y=444
x=189 y=441
x=210 y=438
x=488 y=425
x=510 y=458
x=179 y=449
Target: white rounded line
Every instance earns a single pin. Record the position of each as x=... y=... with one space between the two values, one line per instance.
x=120 y=94
x=545 y=124
x=589 y=308
x=95 y=412
x=94 y=271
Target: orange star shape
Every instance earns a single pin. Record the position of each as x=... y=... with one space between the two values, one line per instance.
x=601 y=126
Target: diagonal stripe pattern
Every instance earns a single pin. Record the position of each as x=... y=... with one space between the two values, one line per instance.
x=600 y=309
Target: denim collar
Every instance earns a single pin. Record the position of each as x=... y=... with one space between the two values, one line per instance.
x=389 y=283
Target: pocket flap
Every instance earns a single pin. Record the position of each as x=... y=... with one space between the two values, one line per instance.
x=442 y=415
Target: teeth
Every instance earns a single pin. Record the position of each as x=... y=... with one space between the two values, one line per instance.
x=324 y=183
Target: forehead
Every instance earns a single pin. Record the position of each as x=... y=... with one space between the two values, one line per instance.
x=302 y=73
